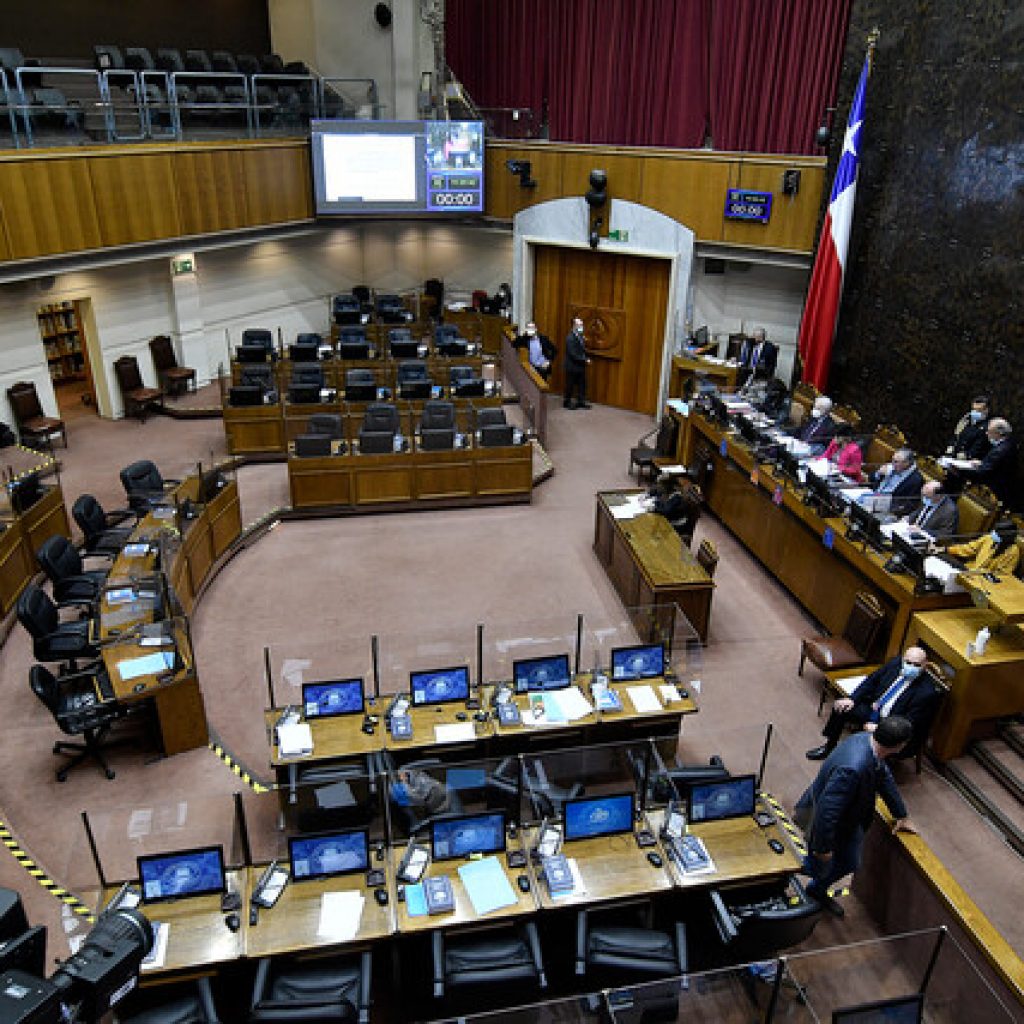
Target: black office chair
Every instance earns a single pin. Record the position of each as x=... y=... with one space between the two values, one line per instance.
x=346 y=309
x=309 y=338
x=629 y=950
x=53 y=640
x=401 y=343
x=262 y=337
x=79 y=710
x=193 y=1007
x=260 y=375
x=390 y=310
x=101 y=530
x=307 y=373
x=437 y=426
x=496 y=435
x=643 y=455
x=412 y=379
x=72 y=582
x=353 y=344
x=502 y=956
x=144 y=485
x=304 y=351
x=449 y=342
x=326 y=423
x=465 y=382
x=360 y=385
x=379 y=428
x=327 y=990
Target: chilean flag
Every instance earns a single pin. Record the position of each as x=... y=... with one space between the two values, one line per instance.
x=818 y=324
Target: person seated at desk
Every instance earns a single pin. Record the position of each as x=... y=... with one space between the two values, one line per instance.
x=937 y=512
x=899 y=687
x=996 y=552
x=970 y=437
x=418 y=796
x=541 y=350
x=674 y=498
x=820 y=427
x=996 y=469
x=758 y=357
x=845 y=453
x=901 y=480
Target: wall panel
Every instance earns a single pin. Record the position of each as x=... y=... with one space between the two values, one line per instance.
x=135 y=198
x=210 y=191
x=689 y=191
x=277 y=184
x=793 y=218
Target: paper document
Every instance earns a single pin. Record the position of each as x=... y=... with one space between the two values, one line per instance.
x=569 y=704
x=679 y=406
x=820 y=467
x=635 y=505
x=456 y=732
x=849 y=683
x=945 y=572
x=415 y=900
x=156 y=956
x=294 y=739
x=669 y=693
x=578 y=885
x=487 y=885
x=674 y=470
x=147 y=665
x=137 y=550
x=644 y=699
x=340 y=914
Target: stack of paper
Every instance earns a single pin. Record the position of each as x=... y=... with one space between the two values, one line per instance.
x=487 y=885
x=294 y=739
x=644 y=699
x=567 y=705
x=669 y=693
x=158 y=952
x=340 y=914
x=455 y=732
x=633 y=506
x=147 y=665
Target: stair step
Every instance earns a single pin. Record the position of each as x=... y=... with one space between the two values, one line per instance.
x=990 y=798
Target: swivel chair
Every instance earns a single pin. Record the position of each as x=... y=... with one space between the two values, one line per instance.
x=307 y=379
x=499 y=956
x=412 y=379
x=328 y=990
x=346 y=310
x=72 y=582
x=379 y=429
x=260 y=375
x=642 y=455
x=390 y=310
x=856 y=643
x=328 y=423
x=191 y=1003
x=78 y=711
x=360 y=385
x=352 y=343
x=625 y=949
x=437 y=426
x=260 y=336
x=101 y=530
x=449 y=342
x=465 y=383
x=401 y=343
x=53 y=640
x=304 y=351
x=144 y=485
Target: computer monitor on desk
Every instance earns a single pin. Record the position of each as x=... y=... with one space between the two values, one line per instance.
x=907 y=557
x=644 y=661
x=864 y=524
x=334 y=697
x=171 y=876
x=534 y=675
x=439 y=686
x=413 y=389
x=789 y=466
x=590 y=817
x=715 y=801
x=820 y=495
x=329 y=854
x=452 y=838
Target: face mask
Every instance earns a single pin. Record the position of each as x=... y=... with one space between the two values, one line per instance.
x=976 y=417
x=929 y=502
x=910 y=670
x=531 y=331
x=817 y=413
x=996 y=539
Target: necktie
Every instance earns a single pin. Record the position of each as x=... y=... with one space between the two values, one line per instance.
x=897 y=683
x=924 y=515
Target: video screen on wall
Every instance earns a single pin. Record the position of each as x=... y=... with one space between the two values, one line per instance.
x=382 y=168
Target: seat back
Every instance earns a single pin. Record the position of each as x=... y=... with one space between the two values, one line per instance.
x=108 y=57
x=36 y=612
x=45 y=686
x=978 y=508
x=457 y=374
x=141 y=476
x=88 y=514
x=359 y=375
x=307 y=373
x=496 y=435
x=304 y=352
x=380 y=417
x=258 y=336
x=258 y=375
x=665 y=444
x=864 y=624
x=309 y=338
x=222 y=60
x=126 y=370
x=490 y=417
x=162 y=351
x=411 y=369
x=399 y=334
x=197 y=60
x=437 y=416
x=707 y=556
x=24 y=400
x=325 y=423
x=59 y=559
x=443 y=331
x=847 y=414
x=885 y=441
x=768 y=931
x=352 y=334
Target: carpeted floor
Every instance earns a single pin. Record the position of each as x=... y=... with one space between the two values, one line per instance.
x=321 y=588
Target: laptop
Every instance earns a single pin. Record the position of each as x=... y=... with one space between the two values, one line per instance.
x=334 y=697
x=589 y=817
x=451 y=838
x=329 y=854
x=172 y=876
x=532 y=675
x=644 y=661
x=715 y=801
x=439 y=686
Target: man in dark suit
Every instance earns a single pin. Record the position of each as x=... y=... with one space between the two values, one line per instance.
x=758 y=357
x=901 y=480
x=997 y=469
x=937 y=513
x=970 y=437
x=540 y=349
x=820 y=428
x=837 y=808
x=899 y=687
x=576 y=360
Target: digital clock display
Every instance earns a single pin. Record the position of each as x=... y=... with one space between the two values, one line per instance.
x=743 y=204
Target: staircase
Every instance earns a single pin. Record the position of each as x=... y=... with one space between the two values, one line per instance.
x=991 y=777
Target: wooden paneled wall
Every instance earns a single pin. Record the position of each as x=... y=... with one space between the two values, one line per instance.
x=687 y=185
x=59 y=201
x=69 y=200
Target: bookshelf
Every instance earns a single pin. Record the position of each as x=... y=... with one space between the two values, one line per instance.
x=61 y=328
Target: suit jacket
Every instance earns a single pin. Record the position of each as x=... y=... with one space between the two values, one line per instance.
x=970 y=439
x=849 y=458
x=918 y=702
x=575 y=353
x=997 y=469
x=547 y=346
x=818 y=430
x=906 y=494
x=767 y=362
x=980 y=555
x=841 y=799
x=941 y=521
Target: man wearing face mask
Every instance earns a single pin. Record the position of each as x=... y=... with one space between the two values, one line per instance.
x=540 y=350
x=899 y=687
x=996 y=552
x=997 y=467
x=820 y=428
x=576 y=360
x=900 y=479
x=969 y=436
x=937 y=513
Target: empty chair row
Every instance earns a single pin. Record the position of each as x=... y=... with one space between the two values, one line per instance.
x=171 y=60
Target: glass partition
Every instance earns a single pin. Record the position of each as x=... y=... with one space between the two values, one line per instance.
x=294 y=668
x=424 y=655
x=536 y=644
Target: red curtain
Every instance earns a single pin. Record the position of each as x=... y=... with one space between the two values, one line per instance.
x=757 y=73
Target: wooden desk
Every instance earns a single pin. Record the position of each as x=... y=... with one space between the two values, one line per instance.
x=463 y=914
x=787 y=539
x=648 y=564
x=685 y=368
x=1005 y=598
x=180 y=710
x=424 y=719
x=983 y=686
x=292 y=924
x=612 y=868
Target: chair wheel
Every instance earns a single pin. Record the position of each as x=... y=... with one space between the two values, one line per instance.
x=62 y=776
x=110 y=773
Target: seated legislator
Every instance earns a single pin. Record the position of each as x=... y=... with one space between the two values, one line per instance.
x=845 y=453
x=996 y=469
x=541 y=350
x=937 y=513
x=666 y=499
x=899 y=687
x=901 y=480
x=996 y=552
x=970 y=437
x=820 y=428
x=758 y=357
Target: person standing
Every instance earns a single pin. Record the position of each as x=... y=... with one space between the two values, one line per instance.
x=837 y=808
x=576 y=360
x=539 y=349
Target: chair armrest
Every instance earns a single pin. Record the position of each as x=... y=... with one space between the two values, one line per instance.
x=206 y=999
x=89 y=671
x=80 y=602
x=682 y=950
x=533 y=941
x=581 y=942
x=259 y=984
x=119 y=515
x=722 y=919
x=437 y=951
x=106 y=556
x=365 y=981
x=300 y=1012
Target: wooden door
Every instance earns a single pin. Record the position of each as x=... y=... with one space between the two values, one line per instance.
x=622 y=301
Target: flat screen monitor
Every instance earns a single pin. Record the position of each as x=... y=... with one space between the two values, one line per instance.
x=245 y=394
x=901 y=1010
x=334 y=697
x=451 y=838
x=645 y=661
x=911 y=557
x=598 y=816
x=537 y=674
x=397 y=167
x=172 y=876
x=439 y=685
x=747 y=430
x=714 y=801
x=820 y=494
x=865 y=523
x=329 y=854
x=361 y=392
x=415 y=389
x=789 y=466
